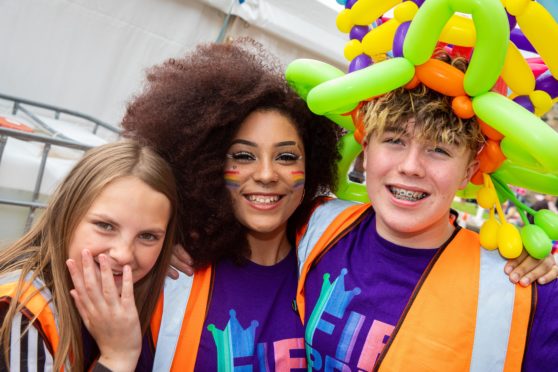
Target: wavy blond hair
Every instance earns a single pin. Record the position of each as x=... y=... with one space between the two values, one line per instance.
x=435 y=120
x=42 y=252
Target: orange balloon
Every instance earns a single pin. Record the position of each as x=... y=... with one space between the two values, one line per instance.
x=413 y=83
x=463 y=107
x=490 y=157
x=477 y=178
x=490 y=132
x=441 y=77
x=494 y=151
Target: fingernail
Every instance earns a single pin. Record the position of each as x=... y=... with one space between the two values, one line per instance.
x=508 y=269
x=542 y=280
x=525 y=281
x=514 y=277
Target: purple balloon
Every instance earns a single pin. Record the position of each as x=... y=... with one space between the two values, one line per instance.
x=525 y=102
x=418 y=2
x=399 y=38
x=358 y=32
x=511 y=20
x=349 y=4
x=548 y=84
x=521 y=41
x=359 y=62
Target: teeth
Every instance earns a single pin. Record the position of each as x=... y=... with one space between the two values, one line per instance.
x=263 y=199
x=409 y=195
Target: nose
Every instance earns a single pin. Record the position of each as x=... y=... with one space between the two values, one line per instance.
x=411 y=162
x=265 y=172
x=122 y=251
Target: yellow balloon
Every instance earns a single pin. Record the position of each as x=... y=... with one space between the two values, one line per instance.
x=459 y=31
x=509 y=241
x=516 y=72
x=405 y=11
x=489 y=234
x=516 y=7
x=352 y=49
x=542 y=31
x=364 y=12
x=343 y=21
x=486 y=197
x=542 y=102
x=380 y=39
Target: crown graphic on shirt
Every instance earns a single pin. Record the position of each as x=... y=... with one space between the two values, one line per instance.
x=339 y=298
x=235 y=338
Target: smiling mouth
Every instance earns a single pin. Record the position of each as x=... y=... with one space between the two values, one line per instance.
x=408 y=195
x=263 y=199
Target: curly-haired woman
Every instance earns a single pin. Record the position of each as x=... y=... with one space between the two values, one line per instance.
x=250 y=158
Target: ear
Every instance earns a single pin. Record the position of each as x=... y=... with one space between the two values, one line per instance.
x=471 y=169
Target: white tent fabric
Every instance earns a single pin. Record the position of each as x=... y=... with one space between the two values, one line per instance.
x=91 y=56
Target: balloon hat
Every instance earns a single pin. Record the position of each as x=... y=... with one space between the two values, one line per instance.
x=387 y=54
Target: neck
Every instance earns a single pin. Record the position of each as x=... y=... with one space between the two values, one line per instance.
x=267 y=249
x=432 y=237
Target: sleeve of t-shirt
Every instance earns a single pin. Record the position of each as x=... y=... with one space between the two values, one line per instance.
x=28 y=349
x=542 y=344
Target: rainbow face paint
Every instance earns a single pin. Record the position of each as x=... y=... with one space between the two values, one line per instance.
x=298 y=179
x=232 y=179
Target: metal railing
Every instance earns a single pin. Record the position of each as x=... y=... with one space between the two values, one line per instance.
x=54 y=138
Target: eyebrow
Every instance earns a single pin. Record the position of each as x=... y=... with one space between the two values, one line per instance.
x=253 y=144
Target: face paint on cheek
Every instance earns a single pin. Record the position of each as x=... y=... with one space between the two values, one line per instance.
x=298 y=179
x=232 y=179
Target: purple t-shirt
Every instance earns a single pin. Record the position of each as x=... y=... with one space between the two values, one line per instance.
x=251 y=324
x=358 y=290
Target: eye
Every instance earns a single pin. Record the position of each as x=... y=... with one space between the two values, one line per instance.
x=104 y=226
x=148 y=237
x=287 y=157
x=242 y=156
x=393 y=140
x=441 y=151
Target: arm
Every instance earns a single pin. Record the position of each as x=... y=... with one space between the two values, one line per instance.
x=111 y=318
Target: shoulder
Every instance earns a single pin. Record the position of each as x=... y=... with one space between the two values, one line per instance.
x=542 y=347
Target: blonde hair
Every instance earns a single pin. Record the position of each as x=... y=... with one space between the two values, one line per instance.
x=435 y=120
x=43 y=251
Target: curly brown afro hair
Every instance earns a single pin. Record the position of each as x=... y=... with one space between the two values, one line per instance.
x=190 y=110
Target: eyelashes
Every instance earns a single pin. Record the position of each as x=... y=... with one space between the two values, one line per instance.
x=245 y=157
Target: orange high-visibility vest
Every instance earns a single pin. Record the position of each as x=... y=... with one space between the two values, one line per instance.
x=177 y=330
x=449 y=323
x=39 y=305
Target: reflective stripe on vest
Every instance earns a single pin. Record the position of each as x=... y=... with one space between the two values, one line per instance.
x=40 y=305
x=182 y=318
x=319 y=221
x=486 y=317
x=175 y=299
x=494 y=314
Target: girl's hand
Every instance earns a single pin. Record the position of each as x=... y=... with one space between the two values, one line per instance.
x=180 y=261
x=112 y=319
x=526 y=269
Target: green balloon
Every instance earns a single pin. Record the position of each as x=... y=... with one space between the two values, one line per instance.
x=492 y=30
x=547 y=221
x=513 y=174
x=521 y=127
x=536 y=242
x=346 y=189
x=343 y=93
x=305 y=74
